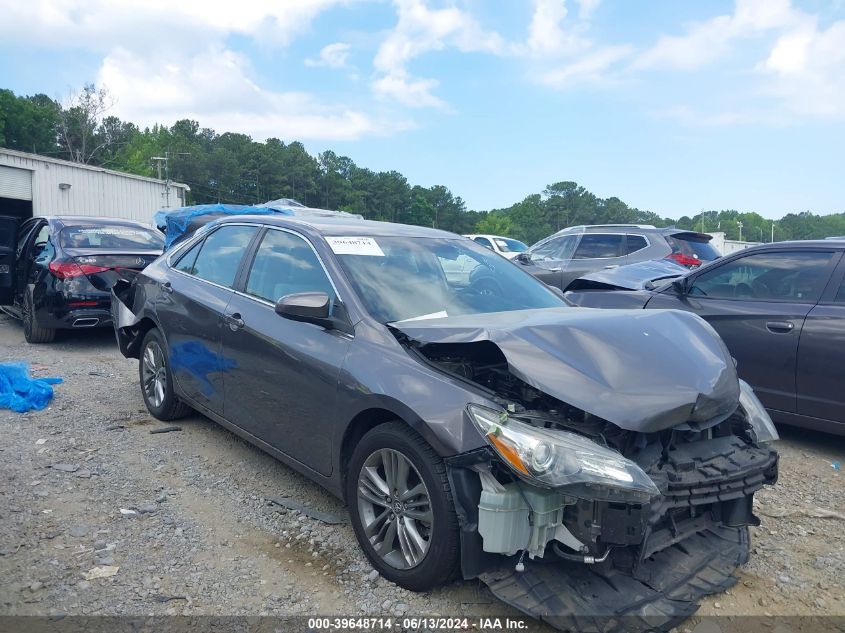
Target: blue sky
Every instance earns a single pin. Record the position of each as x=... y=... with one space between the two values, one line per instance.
x=672 y=106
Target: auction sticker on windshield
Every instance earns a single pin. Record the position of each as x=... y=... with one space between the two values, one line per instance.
x=355 y=246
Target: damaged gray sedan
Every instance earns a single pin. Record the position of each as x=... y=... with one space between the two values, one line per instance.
x=595 y=469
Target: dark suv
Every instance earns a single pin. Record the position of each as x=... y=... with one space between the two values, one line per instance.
x=560 y=259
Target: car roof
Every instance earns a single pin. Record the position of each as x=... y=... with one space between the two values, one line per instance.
x=826 y=244
x=337 y=226
x=61 y=221
x=490 y=235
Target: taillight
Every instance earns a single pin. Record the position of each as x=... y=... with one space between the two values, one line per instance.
x=684 y=260
x=67 y=270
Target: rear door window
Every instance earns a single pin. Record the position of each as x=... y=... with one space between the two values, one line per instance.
x=600 y=246
x=692 y=246
x=798 y=276
x=635 y=243
x=220 y=254
x=185 y=263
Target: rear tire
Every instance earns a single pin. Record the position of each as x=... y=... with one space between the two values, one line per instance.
x=156 y=380
x=411 y=539
x=32 y=331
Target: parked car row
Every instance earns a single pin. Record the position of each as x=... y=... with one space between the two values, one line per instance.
x=470 y=416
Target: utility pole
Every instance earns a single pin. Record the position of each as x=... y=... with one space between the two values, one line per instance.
x=166 y=160
x=739 y=224
x=773 y=231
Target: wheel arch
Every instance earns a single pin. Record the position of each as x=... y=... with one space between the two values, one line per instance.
x=358 y=427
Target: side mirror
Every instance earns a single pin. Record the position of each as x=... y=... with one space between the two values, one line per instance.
x=680 y=286
x=308 y=307
x=523 y=258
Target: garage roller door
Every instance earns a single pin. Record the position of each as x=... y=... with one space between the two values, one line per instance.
x=15 y=183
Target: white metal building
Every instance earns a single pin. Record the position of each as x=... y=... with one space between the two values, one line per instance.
x=37 y=185
x=726 y=247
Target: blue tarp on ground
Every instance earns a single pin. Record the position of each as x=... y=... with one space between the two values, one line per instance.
x=19 y=392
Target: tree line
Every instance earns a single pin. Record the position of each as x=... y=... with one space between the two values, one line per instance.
x=233 y=168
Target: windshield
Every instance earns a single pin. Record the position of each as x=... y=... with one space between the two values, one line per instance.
x=507 y=245
x=115 y=236
x=400 y=278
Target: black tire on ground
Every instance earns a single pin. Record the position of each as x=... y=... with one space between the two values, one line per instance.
x=170 y=407
x=32 y=331
x=441 y=561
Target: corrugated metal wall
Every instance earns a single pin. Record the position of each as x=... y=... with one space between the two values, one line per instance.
x=92 y=191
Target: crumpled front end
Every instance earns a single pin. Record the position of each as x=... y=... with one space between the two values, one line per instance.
x=621 y=521
x=587 y=558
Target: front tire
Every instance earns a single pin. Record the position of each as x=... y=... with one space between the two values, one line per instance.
x=401 y=506
x=157 y=379
x=32 y=331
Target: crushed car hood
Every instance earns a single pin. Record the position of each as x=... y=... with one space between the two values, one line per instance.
x=641 y=370
x=637 y=276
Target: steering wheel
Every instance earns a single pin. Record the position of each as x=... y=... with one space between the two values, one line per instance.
x=743 y=291
x=486 y=287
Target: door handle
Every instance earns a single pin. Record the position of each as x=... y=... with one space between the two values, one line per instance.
x=780 y=327
x=167 y=287
x=611 y=266
x=234 y=321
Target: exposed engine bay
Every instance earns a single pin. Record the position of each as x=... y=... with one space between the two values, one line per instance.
x=705 y=474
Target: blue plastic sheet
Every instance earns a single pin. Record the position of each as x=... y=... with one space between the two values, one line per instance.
x=175 y=221
x=21 y=393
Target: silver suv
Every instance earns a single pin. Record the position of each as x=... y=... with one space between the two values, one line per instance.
x=560 y=259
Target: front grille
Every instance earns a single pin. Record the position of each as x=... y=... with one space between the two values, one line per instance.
x=721 y=469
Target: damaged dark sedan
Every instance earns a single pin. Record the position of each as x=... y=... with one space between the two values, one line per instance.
x=591 y=467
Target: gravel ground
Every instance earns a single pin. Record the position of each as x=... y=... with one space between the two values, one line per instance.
x=182 y=519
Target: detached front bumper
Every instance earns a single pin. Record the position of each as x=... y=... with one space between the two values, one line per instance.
x=664 y=556
x=603 y=599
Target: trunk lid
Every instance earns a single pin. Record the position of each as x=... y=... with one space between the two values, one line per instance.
x=102 y=268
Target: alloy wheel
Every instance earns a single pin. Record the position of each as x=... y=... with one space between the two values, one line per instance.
x=395 y=509
x=154 y=374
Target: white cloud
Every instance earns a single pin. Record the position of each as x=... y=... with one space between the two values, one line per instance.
x=333 y=56
x=103 y=24
x=560 y=50
x=708 y=41
x=806 y=70
x=592 y=66
x=165 y=60
x=802 y=74
x=214 y=87
x=586 y=8
x=420 y=30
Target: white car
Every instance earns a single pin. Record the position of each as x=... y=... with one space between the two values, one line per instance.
x=504 y=246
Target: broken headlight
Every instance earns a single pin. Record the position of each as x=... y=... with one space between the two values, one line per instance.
x=560 y=459
x=759 y=419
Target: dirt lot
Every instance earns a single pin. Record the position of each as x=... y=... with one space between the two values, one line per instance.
x=203 y=539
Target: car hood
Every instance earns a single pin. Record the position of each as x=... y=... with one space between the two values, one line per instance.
x=637 y=276
x=641 y=370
